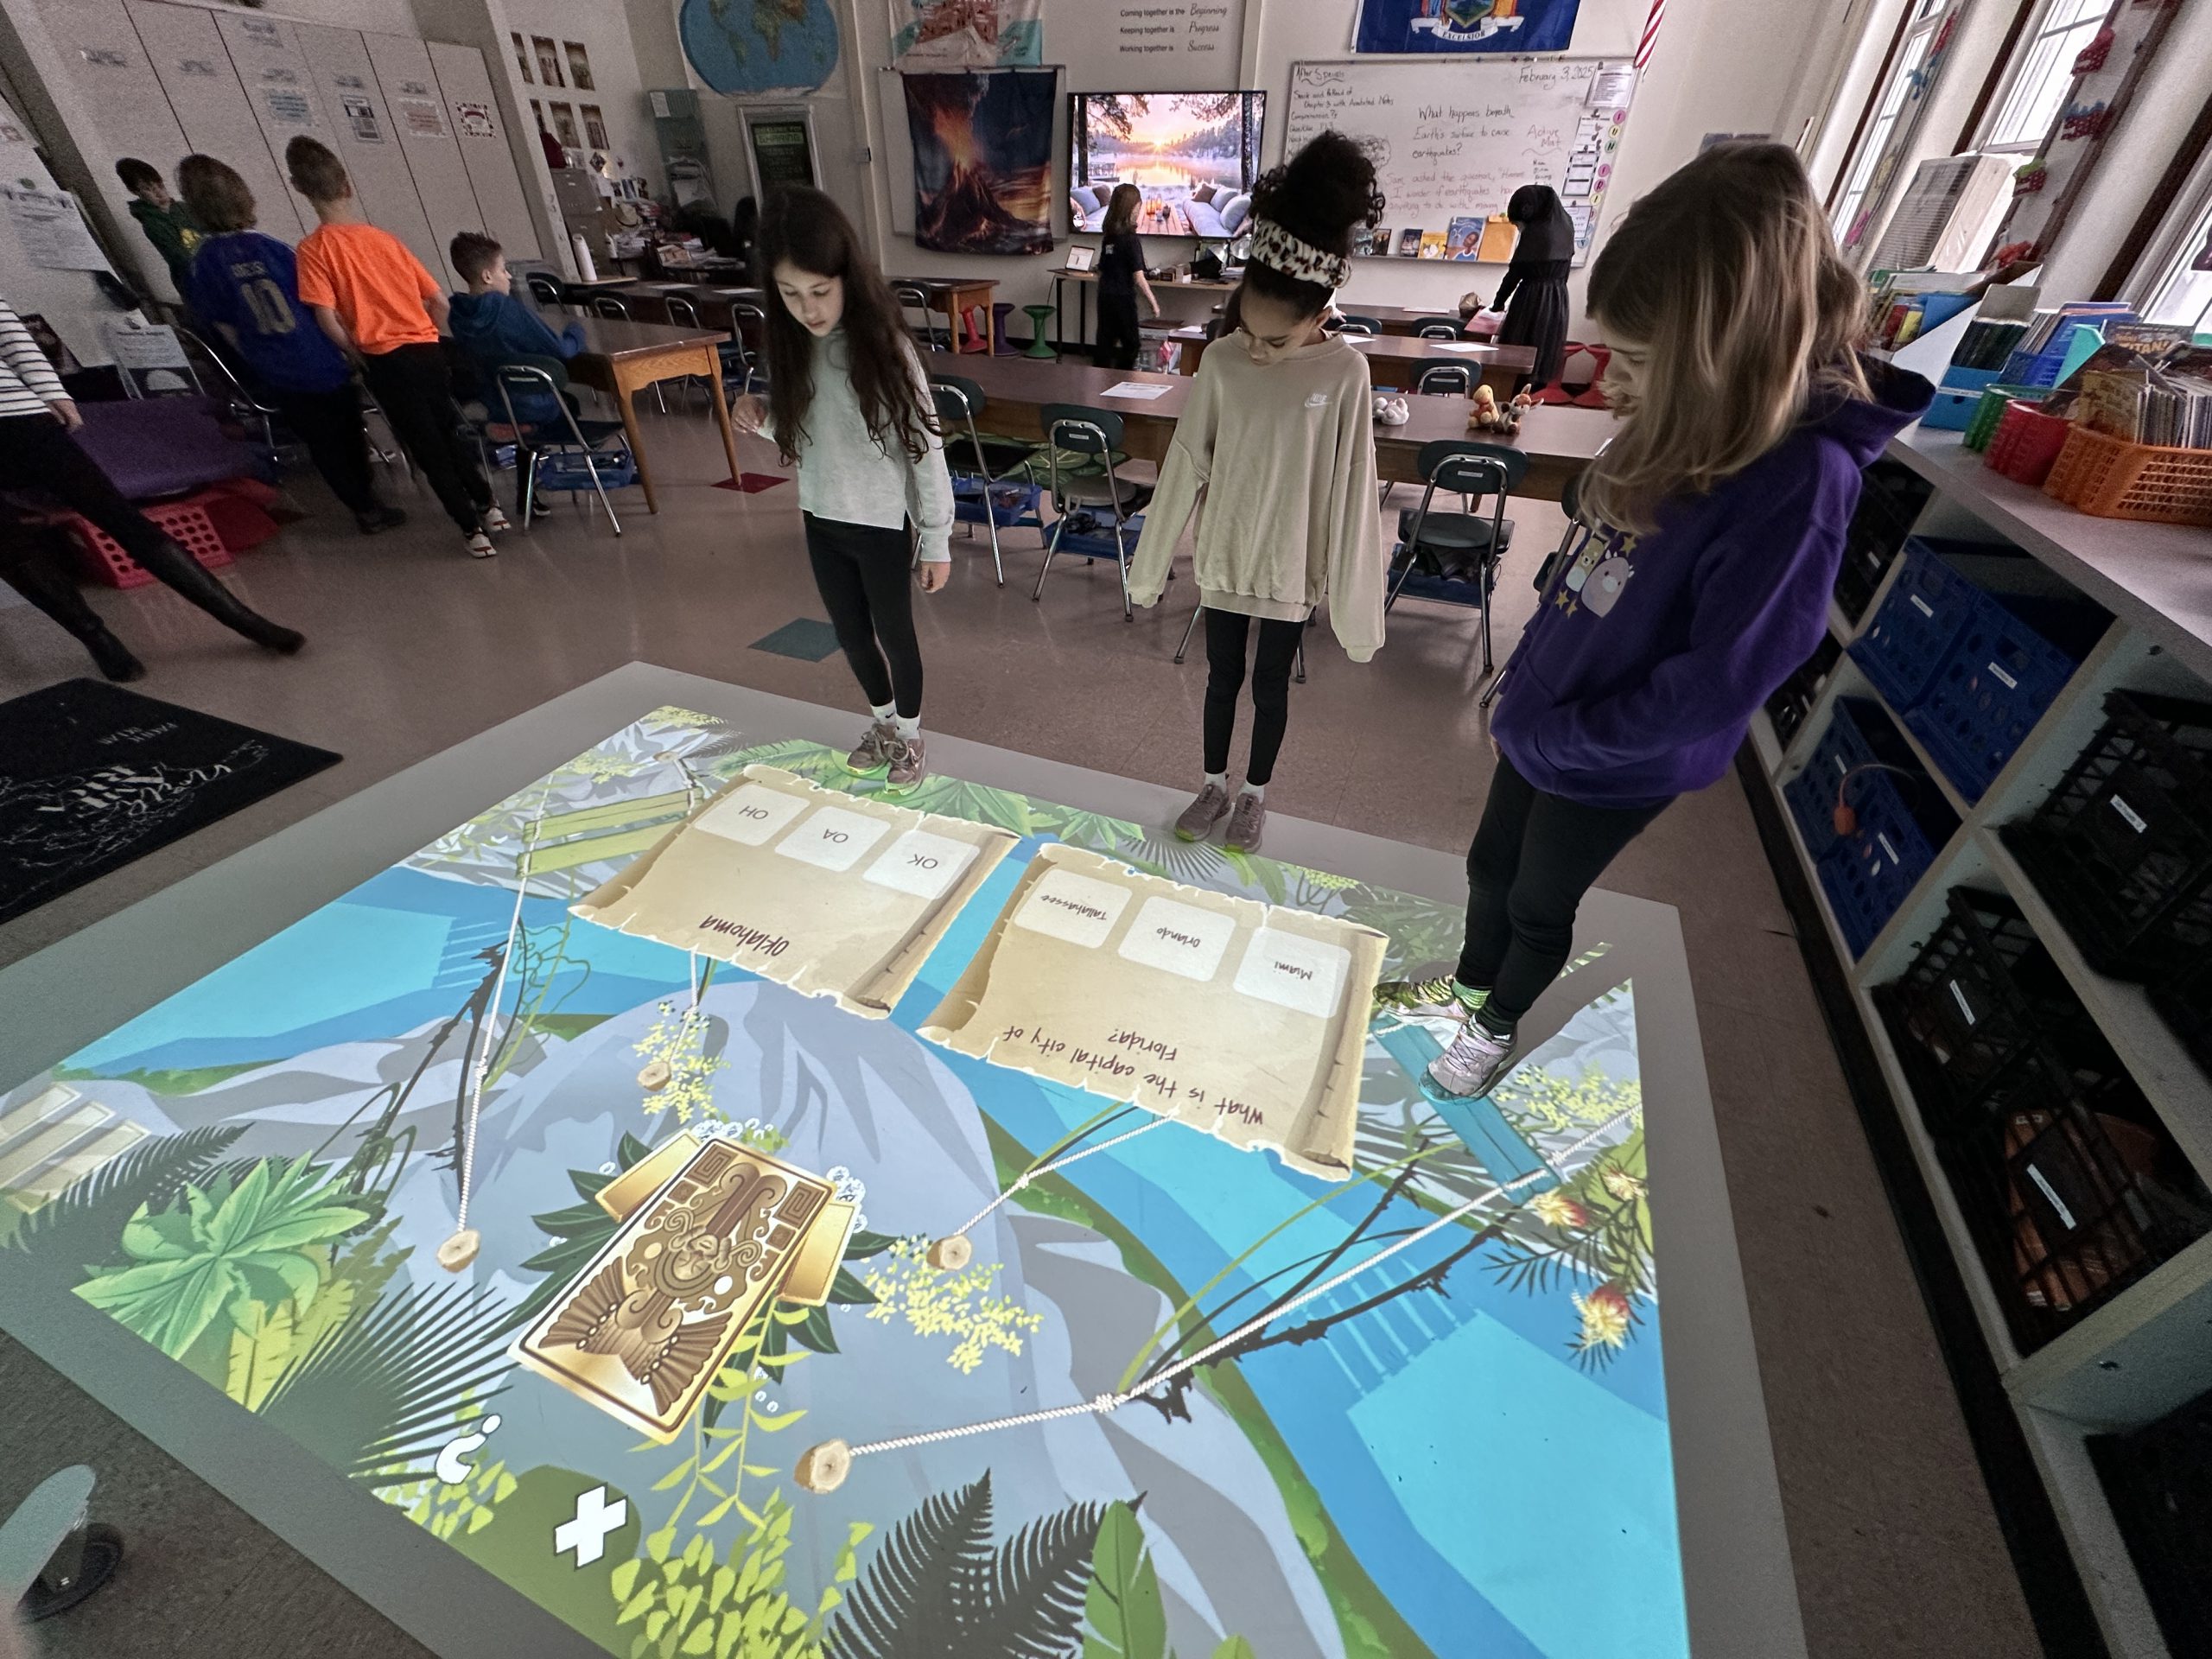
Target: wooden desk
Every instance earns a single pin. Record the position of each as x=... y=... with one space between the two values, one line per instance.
x=1400 y=320
x=953 y=295
x=619 y=358
x=1084 y=281
x=1560 y=441
x=1396 y=361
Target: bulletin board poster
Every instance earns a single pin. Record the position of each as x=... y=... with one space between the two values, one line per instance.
x=1514 y=26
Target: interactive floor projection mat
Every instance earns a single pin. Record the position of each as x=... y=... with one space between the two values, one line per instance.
x=980 y=1322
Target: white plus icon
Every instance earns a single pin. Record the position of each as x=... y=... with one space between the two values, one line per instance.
x=586 y=1534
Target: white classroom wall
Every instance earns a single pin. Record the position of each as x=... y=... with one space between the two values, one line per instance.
x=1701 y=79
x=603 y=31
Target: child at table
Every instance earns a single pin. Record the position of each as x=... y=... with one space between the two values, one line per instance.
x=378 y=306
x=847 y=404
x=1120 y=279
x=245 y=285
x=1713 y=525
x=497 y=327
x=1279 y=440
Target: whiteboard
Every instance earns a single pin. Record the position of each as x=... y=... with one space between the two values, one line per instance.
x=1454 y=140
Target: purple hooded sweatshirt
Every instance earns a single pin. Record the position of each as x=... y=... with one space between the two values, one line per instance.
x=1637 y=677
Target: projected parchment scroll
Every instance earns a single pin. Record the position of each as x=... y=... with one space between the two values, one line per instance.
x=829 y=893
x=1240 y=1019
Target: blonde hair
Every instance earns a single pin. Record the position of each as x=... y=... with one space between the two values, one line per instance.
x=1726 y=281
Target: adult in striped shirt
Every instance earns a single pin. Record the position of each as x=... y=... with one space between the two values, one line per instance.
x=37 y=453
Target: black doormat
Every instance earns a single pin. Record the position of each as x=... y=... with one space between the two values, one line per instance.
x=93 y=776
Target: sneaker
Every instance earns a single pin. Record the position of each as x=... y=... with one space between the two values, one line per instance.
x=1246 y=819
x=909 y=764
x=1476 y=1059
x=376 y=521
x=495 y=520
x=1201 y=815
x=479 y=546
x=1437 y=996
x=872 y=754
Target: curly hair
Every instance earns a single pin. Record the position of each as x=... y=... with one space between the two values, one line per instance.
x=805 y=228
x=1318 y=195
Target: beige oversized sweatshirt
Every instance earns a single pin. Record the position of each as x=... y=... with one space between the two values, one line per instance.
x=1279 y=463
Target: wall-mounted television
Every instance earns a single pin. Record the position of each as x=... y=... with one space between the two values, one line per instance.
x=1194 y=154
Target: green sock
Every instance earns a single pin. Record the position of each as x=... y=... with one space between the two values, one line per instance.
x=1468 y=997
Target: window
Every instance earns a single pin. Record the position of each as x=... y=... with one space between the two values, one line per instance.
x=2042 y=71
x=2180 y=286
x=1923 y=26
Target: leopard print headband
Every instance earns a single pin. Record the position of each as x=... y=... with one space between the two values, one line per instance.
x=1274 y=247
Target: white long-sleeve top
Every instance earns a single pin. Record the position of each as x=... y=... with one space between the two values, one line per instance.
x=1278 y=461
x=27 y=382
x=845 y=474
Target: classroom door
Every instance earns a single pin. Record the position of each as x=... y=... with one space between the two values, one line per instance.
x=492 y=169
x=367 y=140
x=426 y=138
x=211 y=104
x=111 y=66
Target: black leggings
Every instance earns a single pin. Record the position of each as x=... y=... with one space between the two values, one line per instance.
x=412 y=386
x=37 y=453
x=1118 y=337
x=1227 y=635
x=329 y=423
x=865 y=575
x=1534 y=857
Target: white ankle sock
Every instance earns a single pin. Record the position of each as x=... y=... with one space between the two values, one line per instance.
x=1219 y=780
x=908 y=729
x=885 y=711
x=1257 y=792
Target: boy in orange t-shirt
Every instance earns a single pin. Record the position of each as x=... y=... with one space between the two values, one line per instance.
x=373 y=298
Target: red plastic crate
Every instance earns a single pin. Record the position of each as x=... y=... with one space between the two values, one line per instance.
x=2026 y=443
x=185 y=523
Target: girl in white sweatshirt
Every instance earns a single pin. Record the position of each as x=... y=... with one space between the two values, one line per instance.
x=847 y=404
x=1277 y=442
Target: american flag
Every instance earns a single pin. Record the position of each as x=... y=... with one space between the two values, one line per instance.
x=1650 y=34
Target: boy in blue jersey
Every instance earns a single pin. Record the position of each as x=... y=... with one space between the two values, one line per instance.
x=496 y=327
x=244 y=283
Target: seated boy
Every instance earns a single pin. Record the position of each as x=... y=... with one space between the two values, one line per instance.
x=244 y=284
x=376 y=302
x=169 y=223
x=497 y=327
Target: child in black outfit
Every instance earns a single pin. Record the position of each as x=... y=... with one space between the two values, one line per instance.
x=1120 y=279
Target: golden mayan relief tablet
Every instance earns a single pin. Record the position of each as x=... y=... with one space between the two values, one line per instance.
x=832 y=894
x=1240 y=1019
x=644 y=1327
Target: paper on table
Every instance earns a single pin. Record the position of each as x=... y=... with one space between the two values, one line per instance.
x=1459 y=344
x=832 y=894
x=1241 y=1020
x=1134 y=389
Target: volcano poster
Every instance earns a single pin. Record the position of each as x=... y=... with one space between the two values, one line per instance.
x=982 y=160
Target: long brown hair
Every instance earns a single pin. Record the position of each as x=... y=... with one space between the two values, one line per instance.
x=1121 y=210
x=1726 y=281
x=806 y=229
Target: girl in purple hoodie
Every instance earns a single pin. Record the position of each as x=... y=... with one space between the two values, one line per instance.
x=1711 y=530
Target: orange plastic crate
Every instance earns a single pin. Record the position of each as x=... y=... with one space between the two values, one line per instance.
x=2114 y=479
x=185 y=523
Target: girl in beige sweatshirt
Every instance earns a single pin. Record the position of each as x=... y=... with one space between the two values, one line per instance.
x=1275 y=451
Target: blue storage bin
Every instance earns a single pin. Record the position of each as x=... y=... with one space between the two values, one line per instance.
x=1811 y=793
x=2068 y=348
x=566 y=469
x=1902 y=824
x=1927 y=608
x=1014 y=504
x=2002 y=672
x=1972 y=380
x=1952 y=411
